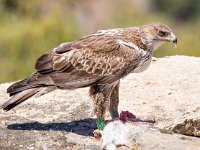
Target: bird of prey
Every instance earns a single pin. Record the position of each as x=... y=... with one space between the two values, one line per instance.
x=98 y=60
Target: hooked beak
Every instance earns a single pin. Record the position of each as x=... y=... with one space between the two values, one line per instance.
x=174 y=38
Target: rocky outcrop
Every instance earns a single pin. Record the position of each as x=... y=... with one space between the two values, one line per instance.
x=167 y=92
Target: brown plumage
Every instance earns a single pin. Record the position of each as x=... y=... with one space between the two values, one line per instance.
x=98 y=60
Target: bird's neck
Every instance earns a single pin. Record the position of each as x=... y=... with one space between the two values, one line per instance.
x=156 y=45
x=139 y=38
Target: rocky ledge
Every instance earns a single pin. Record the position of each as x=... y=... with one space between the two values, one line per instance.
x=167 y=92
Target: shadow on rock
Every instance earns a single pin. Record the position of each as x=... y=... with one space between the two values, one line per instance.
x=83 y=127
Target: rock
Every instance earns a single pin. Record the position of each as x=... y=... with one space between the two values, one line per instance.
x=167 y=92
x=188 y=127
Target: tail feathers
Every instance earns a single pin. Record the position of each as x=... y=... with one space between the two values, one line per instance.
x=24 y=95
x=35 y=81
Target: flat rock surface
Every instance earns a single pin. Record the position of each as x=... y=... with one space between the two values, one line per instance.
x=169 y=92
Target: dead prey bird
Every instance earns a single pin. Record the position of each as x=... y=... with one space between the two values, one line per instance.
x=98 y=60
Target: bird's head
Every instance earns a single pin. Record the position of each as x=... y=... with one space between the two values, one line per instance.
x=158 y=34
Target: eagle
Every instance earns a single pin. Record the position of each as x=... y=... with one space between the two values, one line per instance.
x=98 y=60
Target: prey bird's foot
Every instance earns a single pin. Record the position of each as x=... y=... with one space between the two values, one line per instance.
x=100 y=124
x=143 y=121
x=97 y=134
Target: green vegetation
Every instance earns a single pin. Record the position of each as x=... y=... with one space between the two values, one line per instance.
x=30 y=28
x=25 y=35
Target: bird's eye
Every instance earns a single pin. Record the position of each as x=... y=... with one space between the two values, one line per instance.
x=162 y=33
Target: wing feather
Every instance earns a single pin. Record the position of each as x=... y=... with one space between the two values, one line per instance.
x=103 y=58
x=94 y=56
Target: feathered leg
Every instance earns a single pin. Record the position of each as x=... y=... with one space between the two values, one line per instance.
x=114 y=101
x=104 y=97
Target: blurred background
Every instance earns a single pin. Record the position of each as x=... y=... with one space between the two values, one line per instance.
x=30 y=28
